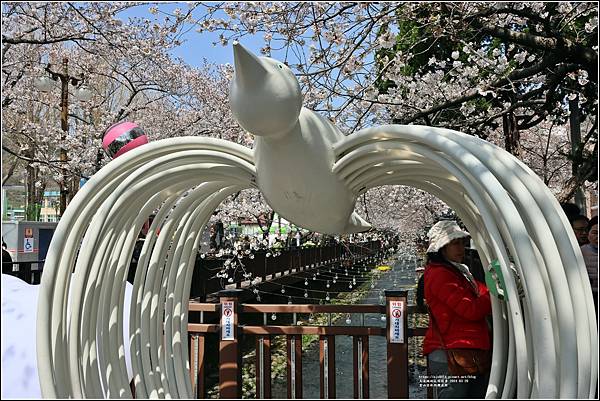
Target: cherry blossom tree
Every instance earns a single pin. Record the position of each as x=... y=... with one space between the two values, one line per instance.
x=130 y=71
x=401 y=209
x=518 y=74
x=471 y=66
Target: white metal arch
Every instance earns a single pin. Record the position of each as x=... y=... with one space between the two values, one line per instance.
x=509 y=211
x=528 y=222
x=79 y=351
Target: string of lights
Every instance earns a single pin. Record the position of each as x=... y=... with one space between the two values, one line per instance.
x=353 y=271
x=328 y=295
x=222 y=272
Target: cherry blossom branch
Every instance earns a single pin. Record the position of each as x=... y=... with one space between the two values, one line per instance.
x=50 y=163
x=474 y=93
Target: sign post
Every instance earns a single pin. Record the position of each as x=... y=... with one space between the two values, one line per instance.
x=28 y=245
x=397 y=347
x=230 y=356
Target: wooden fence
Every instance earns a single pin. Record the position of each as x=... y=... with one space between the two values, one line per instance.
x=230 y=332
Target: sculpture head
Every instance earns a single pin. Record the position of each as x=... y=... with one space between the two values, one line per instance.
x=264 y=95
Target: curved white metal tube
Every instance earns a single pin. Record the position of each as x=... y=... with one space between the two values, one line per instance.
x=474 y=189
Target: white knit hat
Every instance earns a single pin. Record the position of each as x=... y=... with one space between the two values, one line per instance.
x=442 y=233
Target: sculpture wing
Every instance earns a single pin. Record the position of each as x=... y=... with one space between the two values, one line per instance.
x=513 y=217
x=79 y=340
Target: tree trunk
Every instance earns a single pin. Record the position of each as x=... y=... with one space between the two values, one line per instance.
x=512 y=137
x=11 y=170
x=576 y=152
x=35 y=194
x=72 y=187
x=98 y=163
x=587 y=170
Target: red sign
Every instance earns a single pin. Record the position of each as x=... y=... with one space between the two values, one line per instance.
x=396 y=328
x=227 y=332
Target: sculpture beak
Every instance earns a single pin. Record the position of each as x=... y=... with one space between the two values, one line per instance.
x=249 y=70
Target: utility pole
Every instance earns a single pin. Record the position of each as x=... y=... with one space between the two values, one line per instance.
x=64 y=125
x=65 y=79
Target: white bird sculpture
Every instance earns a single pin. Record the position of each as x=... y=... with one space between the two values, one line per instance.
x=293 y=151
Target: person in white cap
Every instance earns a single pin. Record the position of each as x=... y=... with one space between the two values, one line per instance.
x=457 y=341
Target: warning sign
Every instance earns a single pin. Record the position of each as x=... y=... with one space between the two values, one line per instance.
x=227 y=321
x=28 y=245
x=396 y=326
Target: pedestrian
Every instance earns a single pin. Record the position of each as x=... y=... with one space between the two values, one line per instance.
x=457 y=342
x=220 y=234
x=135 y=256
x=579 y=224
x=590 y=256
x=7 y=266
x=213 y=239
x=571 y=210
x=289 y=240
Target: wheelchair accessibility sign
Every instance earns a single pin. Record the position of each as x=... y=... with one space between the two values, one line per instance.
x=28 y=245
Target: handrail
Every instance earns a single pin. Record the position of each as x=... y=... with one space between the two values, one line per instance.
x=230 y=328
x=301 y=308
x=202 y=328
x=20 y=262
x=315 y=330
x=312 y=308
x=204 y=307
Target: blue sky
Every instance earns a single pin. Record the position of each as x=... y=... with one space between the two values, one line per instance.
x=197 y=46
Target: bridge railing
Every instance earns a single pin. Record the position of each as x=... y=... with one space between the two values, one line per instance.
x=230 y=332
x=287 y=261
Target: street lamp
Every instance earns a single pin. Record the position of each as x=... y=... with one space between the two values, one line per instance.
x=46 y=84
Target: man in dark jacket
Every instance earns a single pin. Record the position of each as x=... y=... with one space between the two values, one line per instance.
x=6 y=259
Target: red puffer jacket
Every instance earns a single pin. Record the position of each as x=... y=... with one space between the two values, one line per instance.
x=458 y=311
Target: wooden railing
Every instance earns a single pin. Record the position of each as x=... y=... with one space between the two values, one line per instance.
x=287 y=261
x=230 y=332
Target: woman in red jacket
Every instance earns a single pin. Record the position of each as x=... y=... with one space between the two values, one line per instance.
x=458 y=305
